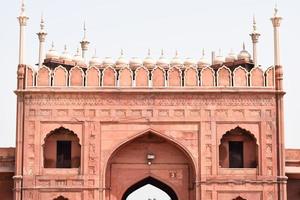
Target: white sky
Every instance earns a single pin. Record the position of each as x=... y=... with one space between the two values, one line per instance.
x=136 y=25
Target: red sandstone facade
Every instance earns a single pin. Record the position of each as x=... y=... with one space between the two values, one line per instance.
x=188 y=130
x=102 y=131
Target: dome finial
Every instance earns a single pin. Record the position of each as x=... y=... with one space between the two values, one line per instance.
x=122 y=52
x=162 y=52
x=244 y=48
x=203 y=52
x=149 y=52
x=176 y=53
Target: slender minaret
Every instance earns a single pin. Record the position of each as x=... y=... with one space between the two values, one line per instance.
x=255 y=36
x=281 y=176
x=42 y=37
x=84 y=44
x=276 y=20
x=23 y=22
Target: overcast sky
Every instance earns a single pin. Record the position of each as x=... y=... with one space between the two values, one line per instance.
x=136 y=25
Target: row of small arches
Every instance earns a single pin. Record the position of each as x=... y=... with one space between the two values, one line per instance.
x=142 y=77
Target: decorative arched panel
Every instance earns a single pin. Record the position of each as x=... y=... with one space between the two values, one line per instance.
x=92 y=77
x=207 y=77
x=240 y=77
x=125 y=77
x=270 y=77
x=191 y=78
x=109 y=77
x=174 y=77
x=158 y=77
x=257 y=77
x=76 y=76
x=43 y=77
x=29 y=77
x=60 y=76
x=141 y=77
x=224 y=77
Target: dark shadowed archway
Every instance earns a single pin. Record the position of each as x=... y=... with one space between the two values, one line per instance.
x=152 y=181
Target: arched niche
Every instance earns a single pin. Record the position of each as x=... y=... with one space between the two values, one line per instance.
x=61 y=149
x=238 y=149
x=191 y=78
x=174 y=77
x=109 y=77
x=152 y=181
x=158 y=77
x=29 y=77
x=240 y=77
x=151 y=153
x=142 y=77
x=43 y=77
x=125 y=77
x=224 y=77
x=207 y=77
x=60 y=76
x=270 y=77
x=257 y=77
x=92 y=77
x=76 y=76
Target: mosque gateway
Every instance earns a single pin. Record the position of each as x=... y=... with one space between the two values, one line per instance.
x=197 y=129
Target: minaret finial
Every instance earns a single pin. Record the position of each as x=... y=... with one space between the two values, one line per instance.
x=84 y=32
x=254 y=23
x=22 y=8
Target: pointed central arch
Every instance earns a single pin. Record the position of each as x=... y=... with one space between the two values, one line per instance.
x=152 y=181
x=172 y=166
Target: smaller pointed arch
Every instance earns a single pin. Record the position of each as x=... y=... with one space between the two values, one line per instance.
x=125 y=77
x=61 y=198
x=257 y=77
x=240 y=77
x=30 y=75
x=174 y=77
x=76 y=77
x=158 y=77
x=142 y=77
x=60 y=76
x=191 y=78
x=207 y=77
x=109 y=77
x=239 y=198
x=152 y=181
x=92 y=77
x=224 y=77
x=43 y=77
x=270 y=76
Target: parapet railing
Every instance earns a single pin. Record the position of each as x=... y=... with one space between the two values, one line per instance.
x=157 y=77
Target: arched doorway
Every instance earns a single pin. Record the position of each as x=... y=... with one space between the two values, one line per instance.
x=150 y=158
x=154 y=182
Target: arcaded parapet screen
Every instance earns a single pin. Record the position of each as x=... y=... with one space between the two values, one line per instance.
x=142 y=77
